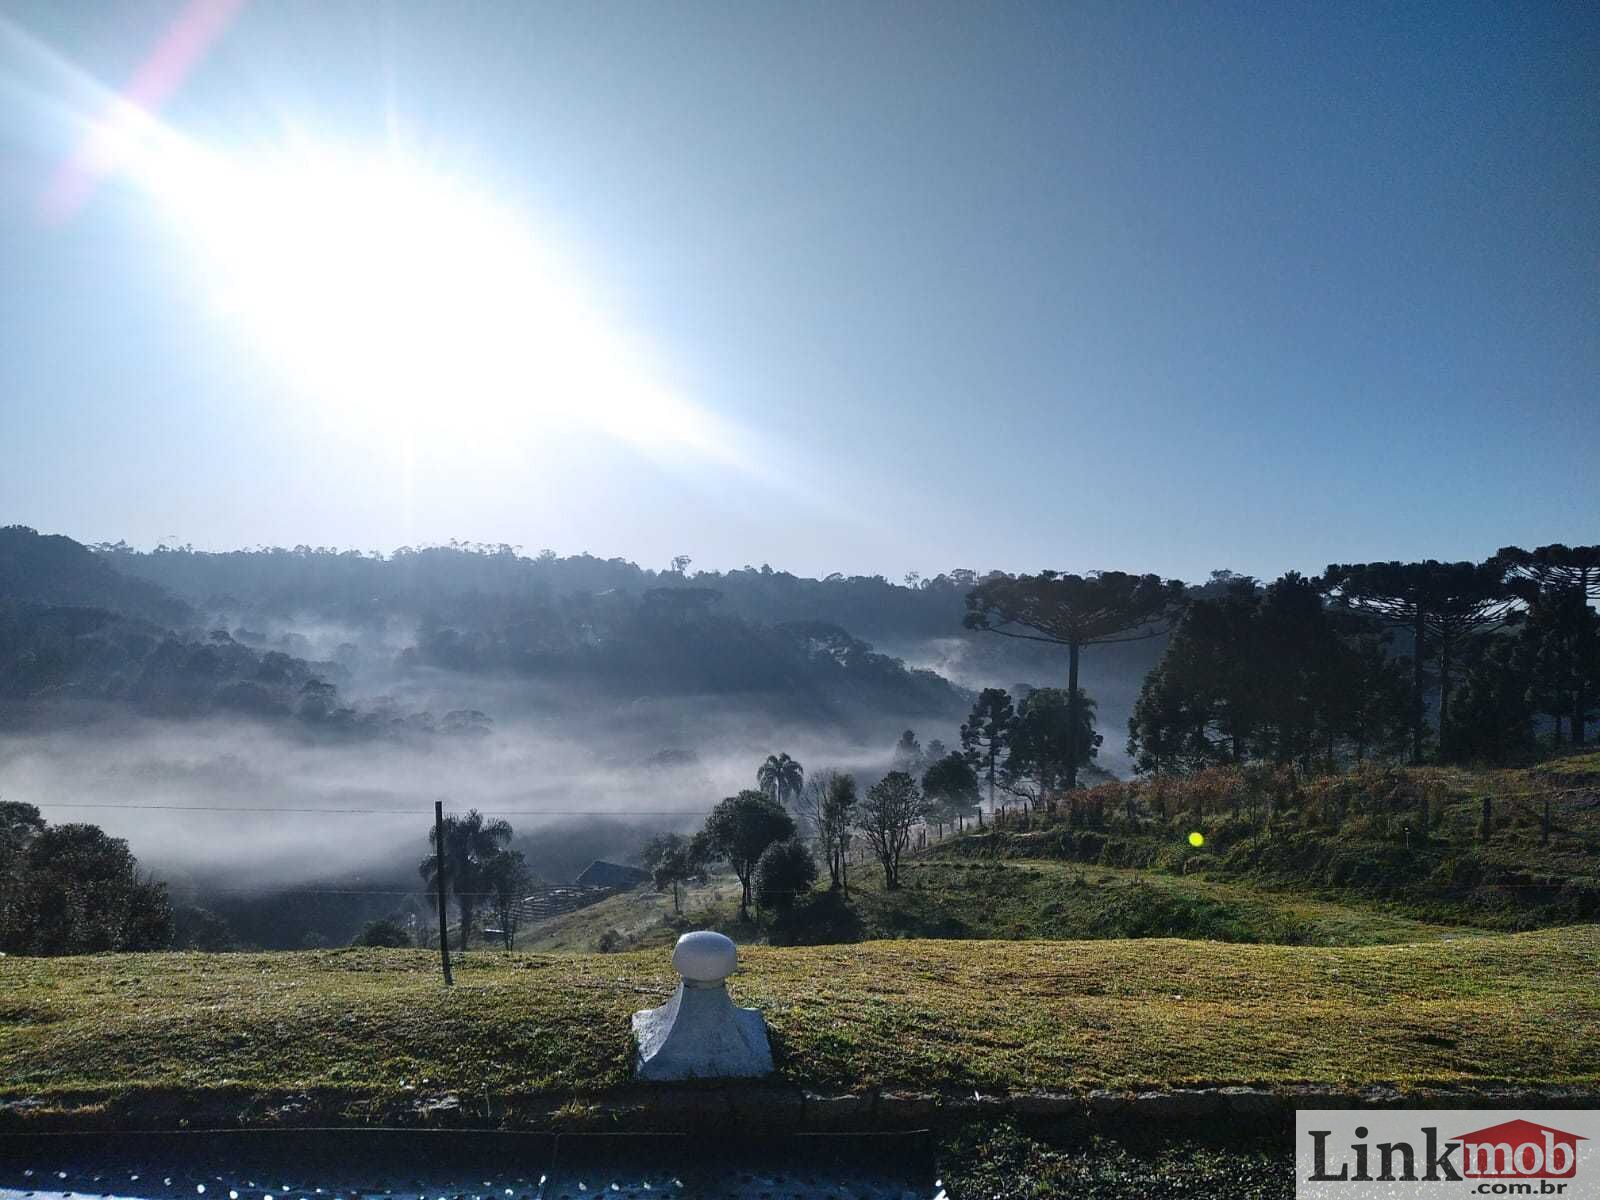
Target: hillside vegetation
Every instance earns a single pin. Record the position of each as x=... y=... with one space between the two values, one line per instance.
x=918 y=1015
x=103 y=627
x=1447 y=845
x=1007 y=900
x=1287 y=859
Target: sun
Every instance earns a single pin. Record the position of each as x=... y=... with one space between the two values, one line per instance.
x=399 y=296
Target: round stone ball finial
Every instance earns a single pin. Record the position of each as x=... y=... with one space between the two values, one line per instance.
x=704 y=957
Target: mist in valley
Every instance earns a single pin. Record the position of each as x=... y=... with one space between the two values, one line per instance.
x=277 y=828
x=269 y=730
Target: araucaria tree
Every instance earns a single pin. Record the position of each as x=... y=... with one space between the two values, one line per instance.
x=470 y=846
x=1562 y=580
x=908 y=755
x=740 y=828
x=1439 y=603
x=986 y=736
x=1269 y=675
x=1199 y=706
x=1075 y=611
x=892 y=808
x=781 y=777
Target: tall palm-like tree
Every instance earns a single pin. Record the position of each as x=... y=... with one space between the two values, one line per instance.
x=781 y=777
x=471 y=845
x=1075 y=611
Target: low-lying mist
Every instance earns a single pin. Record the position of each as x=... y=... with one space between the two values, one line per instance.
x=593 y=776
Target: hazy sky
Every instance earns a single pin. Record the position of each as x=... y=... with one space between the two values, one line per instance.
x=857 y=287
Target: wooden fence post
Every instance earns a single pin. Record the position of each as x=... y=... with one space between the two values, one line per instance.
x=438 y=866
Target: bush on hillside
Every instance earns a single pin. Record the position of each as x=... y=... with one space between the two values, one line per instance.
x=387 y=933
x=818 y=919
x=784 y=874
x=196 y=928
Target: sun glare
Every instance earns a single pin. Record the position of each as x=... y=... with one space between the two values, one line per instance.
x=393 y=294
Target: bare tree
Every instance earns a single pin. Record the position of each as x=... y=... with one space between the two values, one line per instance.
x=827 y=804
x=509 y=879
x=892 y=808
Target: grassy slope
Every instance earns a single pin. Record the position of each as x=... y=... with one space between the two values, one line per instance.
x=1015 y=900
x=1287 y=898
x=641 y=917
x=1065 y=900
x=1350 y=840
x=917 y=1015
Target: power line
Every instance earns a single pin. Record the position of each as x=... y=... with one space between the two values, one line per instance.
x=389 y=812
x=586 y=812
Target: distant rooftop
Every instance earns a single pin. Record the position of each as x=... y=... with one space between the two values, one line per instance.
x=600 y=873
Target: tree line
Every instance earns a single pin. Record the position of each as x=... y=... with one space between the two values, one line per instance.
x=772 y=836
x=1327 y=670
x=73 y=889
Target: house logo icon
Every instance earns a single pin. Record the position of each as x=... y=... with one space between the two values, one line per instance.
x=1519 y=1149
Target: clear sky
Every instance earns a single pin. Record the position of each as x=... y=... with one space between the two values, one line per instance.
x=835 y=286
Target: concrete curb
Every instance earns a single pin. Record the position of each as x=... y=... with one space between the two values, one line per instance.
x=746 y=1107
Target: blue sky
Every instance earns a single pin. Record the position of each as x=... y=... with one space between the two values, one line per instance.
x=1155 y=287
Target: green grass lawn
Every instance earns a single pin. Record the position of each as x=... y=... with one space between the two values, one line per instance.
x=377 y=1026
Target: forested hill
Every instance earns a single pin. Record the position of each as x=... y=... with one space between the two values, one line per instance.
x=356 y=587
x=474 y=587
x=279 y=635
x=55 y=570
x=473 y=607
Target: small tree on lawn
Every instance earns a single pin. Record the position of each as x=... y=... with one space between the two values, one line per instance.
x=892 y=807
x=509 y=879
x=674 y=861
x=740 y=828
x=828 y=804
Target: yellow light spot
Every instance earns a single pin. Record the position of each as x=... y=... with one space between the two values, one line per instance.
x=1197 y=838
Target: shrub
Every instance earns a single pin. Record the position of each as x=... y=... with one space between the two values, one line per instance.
x=820 y=918
x=387 y=933
x=784 y=873
x=201 y=929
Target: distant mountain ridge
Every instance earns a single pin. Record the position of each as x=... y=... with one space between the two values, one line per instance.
x=54 y=570
x=104 y=626
x=480 y=595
